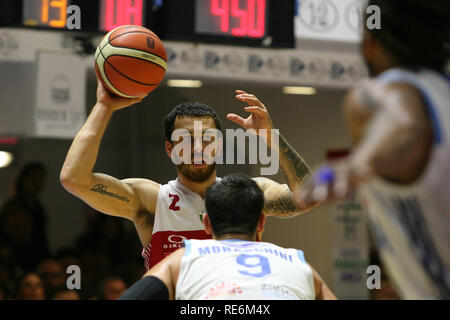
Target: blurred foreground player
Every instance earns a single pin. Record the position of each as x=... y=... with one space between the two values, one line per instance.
x=400 y=124
x=232 y=265
x=165 y=215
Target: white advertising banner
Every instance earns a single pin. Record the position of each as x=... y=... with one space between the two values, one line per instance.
x=329 y=20
x=303 y=66
x=17 y=45
x=282 y=66
x=60 y=95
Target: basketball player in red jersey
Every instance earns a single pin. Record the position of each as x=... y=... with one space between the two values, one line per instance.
x=165 y=215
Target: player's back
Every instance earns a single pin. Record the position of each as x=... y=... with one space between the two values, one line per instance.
x=243 y=270
x=412 y=222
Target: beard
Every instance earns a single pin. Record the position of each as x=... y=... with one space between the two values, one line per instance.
x=196 y=174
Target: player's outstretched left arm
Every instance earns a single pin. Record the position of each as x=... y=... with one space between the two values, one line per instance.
x=278 y=197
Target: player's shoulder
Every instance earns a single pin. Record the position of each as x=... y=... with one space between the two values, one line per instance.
x=141 y=183
x=372 y=94
x=264 y=183
x=147 y=191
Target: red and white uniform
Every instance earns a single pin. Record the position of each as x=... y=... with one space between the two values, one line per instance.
x=177 y=218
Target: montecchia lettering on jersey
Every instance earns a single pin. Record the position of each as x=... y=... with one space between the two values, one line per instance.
x=222 y=249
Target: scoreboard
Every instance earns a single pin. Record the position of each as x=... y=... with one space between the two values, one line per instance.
x=247 y=18
x=239 y=22
x=108 y=13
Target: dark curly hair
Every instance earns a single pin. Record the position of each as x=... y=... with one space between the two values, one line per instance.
x=415 y=32
x=189 y=109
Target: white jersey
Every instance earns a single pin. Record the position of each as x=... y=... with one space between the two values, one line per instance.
x=177 y=218
x=243 y=270
x=412 y=223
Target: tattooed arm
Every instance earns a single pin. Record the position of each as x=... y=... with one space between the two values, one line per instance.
x=278 y=197
x=124 y=198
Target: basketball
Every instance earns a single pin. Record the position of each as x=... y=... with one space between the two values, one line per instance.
x=131 y=61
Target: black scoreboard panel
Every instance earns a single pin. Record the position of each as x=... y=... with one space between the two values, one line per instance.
x=237 y=22
x=95 y=15
x=240 y=22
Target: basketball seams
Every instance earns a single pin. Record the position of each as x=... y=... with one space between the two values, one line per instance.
x=122 y=55
x=122 y=34
x=103 y=40
x=131 y=79
x=153 y=36
x=109 y=63
x=138 y=54
x=108 y=41
x=105 y=77
x=139 y=50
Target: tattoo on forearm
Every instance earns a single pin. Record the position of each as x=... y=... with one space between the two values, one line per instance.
x=283 y=206
x=297 y=169
x=102 y=189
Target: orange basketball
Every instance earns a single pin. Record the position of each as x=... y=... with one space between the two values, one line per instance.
x=131 y=61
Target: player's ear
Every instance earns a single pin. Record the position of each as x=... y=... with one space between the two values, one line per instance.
x=207 y=223
x=169 y=148
x=261 y=223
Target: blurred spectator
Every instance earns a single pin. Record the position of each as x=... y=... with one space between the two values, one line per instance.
x=6 y=282
x=130 y=271
x=103 y=235
x=104 y=249
x=3 y=293
x=112 y=288
x=16 y=238
x=23 y=220
x=66 y=295
x=53 y=276
x=31 y=288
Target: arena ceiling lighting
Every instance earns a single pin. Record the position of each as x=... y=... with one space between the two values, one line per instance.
x=299 y=90
x=5 y=159
x=180 y=83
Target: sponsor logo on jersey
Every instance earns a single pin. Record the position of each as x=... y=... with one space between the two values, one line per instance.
x=273 y=291
x=223 y=289
x=175 y=241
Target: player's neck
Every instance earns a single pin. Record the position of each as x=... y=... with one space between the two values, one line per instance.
x=240 y=236
x=197 y=187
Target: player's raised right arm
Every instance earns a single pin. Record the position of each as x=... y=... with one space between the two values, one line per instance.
x=102 y=192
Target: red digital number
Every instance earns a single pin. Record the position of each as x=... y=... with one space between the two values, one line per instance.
x=223 y=12
x=256 y=26
x=251 y=20
x=121 y=12
x=242 y=15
